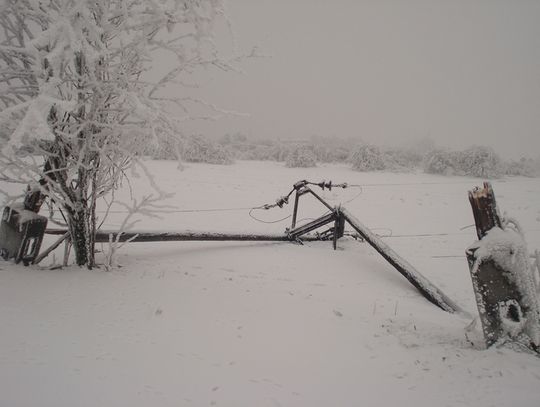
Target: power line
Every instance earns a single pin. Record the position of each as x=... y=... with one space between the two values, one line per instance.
x=187 y=210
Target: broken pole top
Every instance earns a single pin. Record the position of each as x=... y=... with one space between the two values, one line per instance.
x=485 y=211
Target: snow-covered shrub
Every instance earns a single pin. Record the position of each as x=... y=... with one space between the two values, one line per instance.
x=242 y=148
x=526 y=167
x=367 y=158
x=331 y=149
x=402 y=159
x=479 y=161
x=341 y=154
x=168 y=149
x=258 y=152
x=301 y=156
x=412 y=155
x=280 y=152
x=439 y=162
x=198 y=149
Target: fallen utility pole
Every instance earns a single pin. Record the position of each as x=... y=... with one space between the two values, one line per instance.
x=104 y=236
x=341 y=215
x=426 y=288
x=335 y=221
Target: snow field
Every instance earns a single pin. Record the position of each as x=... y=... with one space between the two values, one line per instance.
x=267 y=324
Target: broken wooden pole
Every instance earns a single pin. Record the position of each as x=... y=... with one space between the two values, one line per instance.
x=502 y=280
x=339 y=227
x=295 y=210
x=328 y=206
x=426 y=288
x=485 y=211
x=311 y=226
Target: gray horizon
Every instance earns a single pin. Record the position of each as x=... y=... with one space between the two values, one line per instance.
x=386 y=72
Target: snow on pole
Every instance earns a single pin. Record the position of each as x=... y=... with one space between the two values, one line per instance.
x=502 y=277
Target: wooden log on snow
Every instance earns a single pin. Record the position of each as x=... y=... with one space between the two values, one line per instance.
x=426 y=288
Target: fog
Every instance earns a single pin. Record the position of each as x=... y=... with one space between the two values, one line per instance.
x=387 y=72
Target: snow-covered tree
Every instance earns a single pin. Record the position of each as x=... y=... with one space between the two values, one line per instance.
x=525 y=166
x=78 y=101
x=479 y=161
x=367 y=157
x=301 y=156
x=198 y=149
x=439 y=162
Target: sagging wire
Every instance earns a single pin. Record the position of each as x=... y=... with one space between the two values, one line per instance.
x=284 y=200
x=280 y=202
x=266 y=221
x=356 y=196
x=390 y=232
x=328 y=185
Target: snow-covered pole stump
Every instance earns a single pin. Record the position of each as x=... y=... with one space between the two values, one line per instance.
x=502 y=277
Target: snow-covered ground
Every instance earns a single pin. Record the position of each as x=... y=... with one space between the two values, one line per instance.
x=267 y=324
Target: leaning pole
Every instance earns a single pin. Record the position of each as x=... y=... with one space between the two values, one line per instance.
x=426 y=288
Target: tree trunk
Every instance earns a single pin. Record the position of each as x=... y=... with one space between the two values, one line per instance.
x=78 y=230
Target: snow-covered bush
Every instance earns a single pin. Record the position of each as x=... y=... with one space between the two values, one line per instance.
x=326 y=149
x=168 y=149
x=367 y=158
x=402 y=159
x=526 y=167
x=439 y=162
x=239 y=146
x=301 y=156
x=330 y=153
x=331 y=149
x=280 y=152
x=476 y=161
x=198 y=149
x=479 y=161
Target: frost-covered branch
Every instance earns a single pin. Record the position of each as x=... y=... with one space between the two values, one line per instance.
x=146 y=207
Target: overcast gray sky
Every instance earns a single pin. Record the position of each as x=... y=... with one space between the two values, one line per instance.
x=459 y=71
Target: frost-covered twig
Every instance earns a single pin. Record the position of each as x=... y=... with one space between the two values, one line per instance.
x=536 y=270
x=146 y=207
x=512 y=223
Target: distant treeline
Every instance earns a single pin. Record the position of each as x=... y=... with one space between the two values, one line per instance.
x=423 y=155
